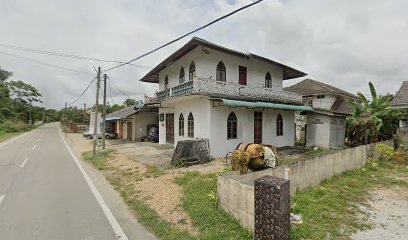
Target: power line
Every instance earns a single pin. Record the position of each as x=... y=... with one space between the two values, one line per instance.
x=124 y=93
x=87 y=87
x=67 y=55
x=45 y=64
x=185 y=35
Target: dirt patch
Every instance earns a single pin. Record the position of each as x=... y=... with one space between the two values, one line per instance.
x=160 y=193
x=388 y=211
x=164 y=196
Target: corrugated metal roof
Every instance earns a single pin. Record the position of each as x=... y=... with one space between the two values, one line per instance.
x=238 y=103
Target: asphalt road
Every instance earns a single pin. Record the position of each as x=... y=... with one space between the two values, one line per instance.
x=44 y=195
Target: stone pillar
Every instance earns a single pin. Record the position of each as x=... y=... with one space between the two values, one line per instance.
x=272 y=208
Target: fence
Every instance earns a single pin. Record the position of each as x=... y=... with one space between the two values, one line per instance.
x=236 y=193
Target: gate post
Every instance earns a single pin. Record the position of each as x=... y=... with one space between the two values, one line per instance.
x=272 y=208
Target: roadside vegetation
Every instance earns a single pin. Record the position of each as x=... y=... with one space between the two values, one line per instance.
x=199 y=201
x=331 y=210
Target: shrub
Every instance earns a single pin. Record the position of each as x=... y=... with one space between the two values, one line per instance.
x=384 y=152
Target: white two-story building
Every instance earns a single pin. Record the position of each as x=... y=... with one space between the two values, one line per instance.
x=211 y=92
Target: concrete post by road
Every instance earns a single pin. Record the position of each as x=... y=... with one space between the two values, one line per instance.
x=95 y=137
x=104 y=112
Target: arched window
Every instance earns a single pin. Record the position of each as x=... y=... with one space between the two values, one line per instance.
x=268 y=80
x=181 y=125
x=279 y=125
x=181 y=76
x=191 y=71
x=190 y=125
x=221 y=72
x=232 y=126
x=166 y=83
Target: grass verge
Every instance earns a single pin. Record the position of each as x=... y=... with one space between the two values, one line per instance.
x=200 y=203
x=330 y=210
x=8 y=135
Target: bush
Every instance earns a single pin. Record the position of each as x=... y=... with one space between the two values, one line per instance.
x=11 y=126
x=384 y=152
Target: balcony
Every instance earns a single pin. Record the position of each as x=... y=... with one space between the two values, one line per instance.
x=227 y=89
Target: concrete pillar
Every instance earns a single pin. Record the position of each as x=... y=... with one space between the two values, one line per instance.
x=272 y=208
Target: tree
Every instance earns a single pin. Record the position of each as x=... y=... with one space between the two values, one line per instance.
x=129 y=102
x=369 y=117
x=23 y=95
x=4 y=75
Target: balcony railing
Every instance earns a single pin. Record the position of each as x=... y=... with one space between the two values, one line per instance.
x=228 y=89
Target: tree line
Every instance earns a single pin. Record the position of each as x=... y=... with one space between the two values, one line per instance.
x=19 y=108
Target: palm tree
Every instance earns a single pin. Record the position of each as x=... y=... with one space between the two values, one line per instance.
x=368 y=115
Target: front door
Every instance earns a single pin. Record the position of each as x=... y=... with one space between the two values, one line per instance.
x=258 y=127
x=170 y=128
x=242 y=75
x=129 y=131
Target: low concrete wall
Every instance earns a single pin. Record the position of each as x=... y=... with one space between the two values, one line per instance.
x=236 y=193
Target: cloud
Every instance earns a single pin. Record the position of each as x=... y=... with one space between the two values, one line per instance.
x=343 y=43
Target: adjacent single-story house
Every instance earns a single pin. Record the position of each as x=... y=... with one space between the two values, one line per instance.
x=133 y=123
x=326 y=125
x=400 y=101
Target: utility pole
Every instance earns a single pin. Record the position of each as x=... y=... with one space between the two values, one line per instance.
x=98 y=78
x=104 y=112
x=65 y=118
x=84 y=113
x=30 y=120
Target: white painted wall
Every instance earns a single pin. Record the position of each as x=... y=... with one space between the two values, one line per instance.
x=324 y=103
x=198 y=106
x=206 y=65
x=219 y=143
x=211 y=123
x=325 y=131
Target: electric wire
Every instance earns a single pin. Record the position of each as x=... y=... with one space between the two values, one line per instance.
x=124 y=93
x=87 y=87
x=66 y=55
x=185 y=35
x=45 y=64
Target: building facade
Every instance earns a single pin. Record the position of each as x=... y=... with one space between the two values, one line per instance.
x=326 y=126
x=210 y=92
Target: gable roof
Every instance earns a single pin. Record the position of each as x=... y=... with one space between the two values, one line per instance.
x=401 y=97
x=309 y=87
x=153 y=75
x=122 y=113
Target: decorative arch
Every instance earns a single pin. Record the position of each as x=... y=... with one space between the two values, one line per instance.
x=181 y=76
x=279 y=125
x=221 y=72
x=181 y=125
x=190 y=125
x=191 y=71
x=232 y=124
x=268 y=80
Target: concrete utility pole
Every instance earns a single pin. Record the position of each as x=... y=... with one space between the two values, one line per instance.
x=65 y=119
x=104 y=112
x=30 y=120
x=98 y=78
x=84 y=113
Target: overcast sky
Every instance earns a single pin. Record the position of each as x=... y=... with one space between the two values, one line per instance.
x=343 y=43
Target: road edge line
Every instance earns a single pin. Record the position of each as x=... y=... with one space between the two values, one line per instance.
x=112 y=220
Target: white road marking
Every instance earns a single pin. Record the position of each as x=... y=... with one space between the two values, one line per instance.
x=25 y=161
x=2 y=198
x=34 y=147
x=112 y=220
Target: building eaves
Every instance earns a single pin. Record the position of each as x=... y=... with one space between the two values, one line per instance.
x=153 y=75
x=310 y=87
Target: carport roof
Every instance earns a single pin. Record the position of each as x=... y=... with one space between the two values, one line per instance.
x=251 y=104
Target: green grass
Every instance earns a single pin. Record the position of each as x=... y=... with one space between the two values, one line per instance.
x=153 y=171
x=100 y=158
x=330 y=210
x=5 y=136
x=212 y=223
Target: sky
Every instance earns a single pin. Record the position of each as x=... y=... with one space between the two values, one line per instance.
x=343 y=43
